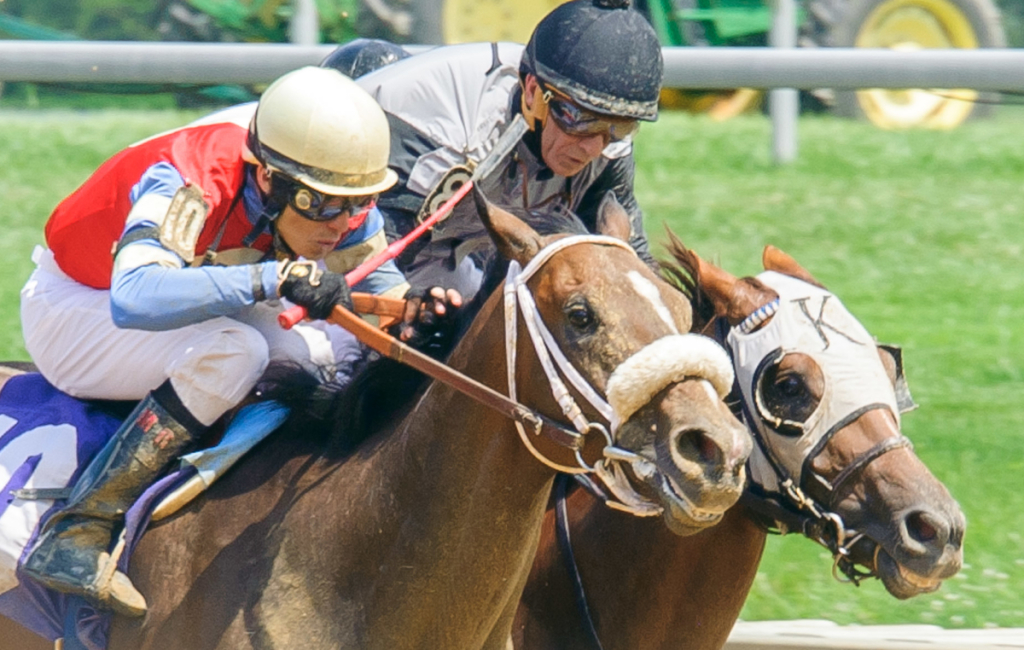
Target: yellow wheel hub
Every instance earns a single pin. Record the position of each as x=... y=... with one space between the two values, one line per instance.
x=721 y=106
x=916 y=24
x=471 y=21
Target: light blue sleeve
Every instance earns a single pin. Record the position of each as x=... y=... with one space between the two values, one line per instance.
x=385 y=277
x=162 y=179
x=158 y=298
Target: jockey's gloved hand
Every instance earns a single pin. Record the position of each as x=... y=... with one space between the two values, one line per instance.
x=315 y=289
x=429 y=319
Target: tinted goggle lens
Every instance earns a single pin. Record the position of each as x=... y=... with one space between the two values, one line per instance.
x=316 y=206
x=573 y=120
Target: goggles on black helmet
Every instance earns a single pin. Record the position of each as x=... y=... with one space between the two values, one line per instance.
x=317 y=206
x=574 y=120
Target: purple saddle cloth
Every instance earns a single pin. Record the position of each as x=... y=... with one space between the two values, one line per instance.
x=31 y=406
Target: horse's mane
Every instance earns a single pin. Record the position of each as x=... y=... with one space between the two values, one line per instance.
x=337 y=418
x=682 y=272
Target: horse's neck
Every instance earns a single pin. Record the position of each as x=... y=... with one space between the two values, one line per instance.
x=646 y=588
x=421 y=537
x=458 y=432
x=460 y=503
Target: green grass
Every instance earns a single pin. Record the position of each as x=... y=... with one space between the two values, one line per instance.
x=918 y=233
x=44 y=156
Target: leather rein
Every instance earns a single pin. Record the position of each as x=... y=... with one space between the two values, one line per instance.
x=392 y=348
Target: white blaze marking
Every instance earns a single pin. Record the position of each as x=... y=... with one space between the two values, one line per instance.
x=648 y=290
x=710 y=390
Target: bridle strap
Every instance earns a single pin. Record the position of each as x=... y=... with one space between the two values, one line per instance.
x=792 y=508
x=836 y=428
x=887 y=445
x=571 y=567
x=807 y=471
x=517 y=298
x=776 y=515
x=517 y=293
x=394 y=349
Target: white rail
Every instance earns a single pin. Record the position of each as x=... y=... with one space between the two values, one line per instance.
x=826 y=635
x=685 y=67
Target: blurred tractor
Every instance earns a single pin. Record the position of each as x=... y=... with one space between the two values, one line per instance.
x=896 y=24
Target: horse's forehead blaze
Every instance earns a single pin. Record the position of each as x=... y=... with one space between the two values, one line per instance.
x=648 y=291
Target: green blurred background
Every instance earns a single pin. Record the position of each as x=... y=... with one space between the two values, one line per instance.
x=137 y=19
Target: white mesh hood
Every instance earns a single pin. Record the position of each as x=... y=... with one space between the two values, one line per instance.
x=812 y=321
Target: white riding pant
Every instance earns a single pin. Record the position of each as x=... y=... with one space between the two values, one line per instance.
x=212 y=365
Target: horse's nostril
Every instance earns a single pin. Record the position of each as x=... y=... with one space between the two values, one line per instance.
x=920 y=529
x=696 y=442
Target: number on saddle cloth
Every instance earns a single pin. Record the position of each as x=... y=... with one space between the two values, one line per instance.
x=46 y=439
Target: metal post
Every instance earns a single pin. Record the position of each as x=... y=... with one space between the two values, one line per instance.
x=784 y=103
x=304 y=28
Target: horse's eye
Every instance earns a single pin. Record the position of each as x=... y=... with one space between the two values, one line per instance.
x=579 y=315
x=790 y=386
x=786 y=396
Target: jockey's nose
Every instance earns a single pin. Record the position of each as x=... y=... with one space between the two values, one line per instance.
x=340 y=224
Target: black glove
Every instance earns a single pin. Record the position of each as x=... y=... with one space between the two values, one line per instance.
x=421 y=326
x=316 y=290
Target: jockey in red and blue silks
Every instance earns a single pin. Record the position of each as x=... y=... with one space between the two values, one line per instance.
x=164 y=278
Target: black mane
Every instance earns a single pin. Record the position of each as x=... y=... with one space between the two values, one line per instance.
x=681 y=272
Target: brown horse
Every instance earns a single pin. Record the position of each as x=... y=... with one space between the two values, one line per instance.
x=423 y=535
x=855 y=487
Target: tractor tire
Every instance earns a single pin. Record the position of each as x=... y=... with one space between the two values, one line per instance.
x=907 y=24
x=470 y=21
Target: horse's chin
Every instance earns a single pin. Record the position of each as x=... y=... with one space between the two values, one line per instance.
x=682 y=516
x=900 y=581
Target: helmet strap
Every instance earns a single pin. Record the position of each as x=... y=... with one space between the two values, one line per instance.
x=274 y=204
x=537 y=116
x=282 y=251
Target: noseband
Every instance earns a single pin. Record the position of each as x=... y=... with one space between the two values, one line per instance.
x=792 y=508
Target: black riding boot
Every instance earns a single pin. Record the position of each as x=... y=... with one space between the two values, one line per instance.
x=72 y=552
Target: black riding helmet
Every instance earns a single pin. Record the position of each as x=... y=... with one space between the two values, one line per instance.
x=601 y=53
x=363 y=55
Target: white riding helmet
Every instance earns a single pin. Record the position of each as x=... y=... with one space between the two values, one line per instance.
x=316 y=126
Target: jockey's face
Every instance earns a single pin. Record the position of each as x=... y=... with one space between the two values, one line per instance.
x=566 y=154
x=563 y=153
x=311 y=239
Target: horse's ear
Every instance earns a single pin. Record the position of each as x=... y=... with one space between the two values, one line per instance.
x=515 y=239
x=734 y=299
x=612 y=218
x=717 y=284
x=774 y=259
